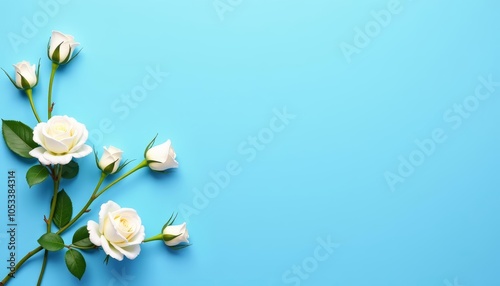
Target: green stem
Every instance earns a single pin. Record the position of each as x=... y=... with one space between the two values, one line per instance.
x=57 y=180
x=142 y=164
x=96 y=194
x=29 y=93
x=42 y=271
x=87 y=205
x=52 y=75
x=20 y=263
x=153 y=238
x=57 y=174
x=81 y=247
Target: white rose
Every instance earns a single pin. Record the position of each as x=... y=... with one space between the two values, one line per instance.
x=111 y=156
x=61 y=138
x=179 y=230
x=61 y=47
x=119 y=232
x=27 y=71
x=162 y=157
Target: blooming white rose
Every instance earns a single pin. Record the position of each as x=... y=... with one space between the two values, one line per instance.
x=61 y=138
x=162 y=157
x=61 y=47
x=26 y=71
x=179 y=230
x=119 y=232
x=111 y=156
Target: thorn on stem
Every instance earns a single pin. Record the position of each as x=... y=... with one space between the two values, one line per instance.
x=87 y=210
x=52 y=106
x=45 y=219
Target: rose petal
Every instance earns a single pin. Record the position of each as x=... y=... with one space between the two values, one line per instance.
x=38 y=153
x=52 y=144
x=159 y=153
x=110 y=249
x=55 y=40
x=61 y=127
x=83 y=136
x=94 y=235
x=84 y=151
x=113 y=150
x=131 y=251
x=72 y=140
x=37 y=132
x=106 y=208
x=163 y=156
x=110 y=230
x=57 y=159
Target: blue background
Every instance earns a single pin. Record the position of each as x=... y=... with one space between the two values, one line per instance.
x=320 y=177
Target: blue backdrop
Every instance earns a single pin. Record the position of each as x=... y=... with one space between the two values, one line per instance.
x=320 y=142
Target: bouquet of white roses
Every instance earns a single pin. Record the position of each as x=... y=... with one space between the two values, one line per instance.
x=57 y=144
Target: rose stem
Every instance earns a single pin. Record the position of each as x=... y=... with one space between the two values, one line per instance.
x=52 y=75
x=95 y=194
x=29 y=93
x=56 y=174
x=87 y=205
x=142 y=164
x=20 y=263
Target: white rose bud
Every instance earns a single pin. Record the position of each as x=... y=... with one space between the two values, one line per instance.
x=61 y=139
x=120 y=231
x=162 y=157
x=61 y=47
x=176 y=230
x=26 y=75
x=110 y=160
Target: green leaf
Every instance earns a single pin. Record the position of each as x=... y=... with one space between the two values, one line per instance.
x=70 y=170
x=55 y=54
x=36 y=175
x=63 y=210
x=74 y=56
x=169 y=222
x=51 y=242
x=24 y=82
x=75 y=262
x=11 y=80
x=18 y=137
x=169 y=237
x=150 y=145
x=109 y=168
x=81 y=237
x=96 y=156
x=123 y=165
x=179 y=246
